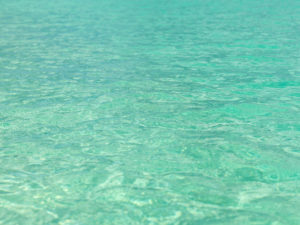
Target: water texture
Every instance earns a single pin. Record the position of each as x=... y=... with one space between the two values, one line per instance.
x=150 y=112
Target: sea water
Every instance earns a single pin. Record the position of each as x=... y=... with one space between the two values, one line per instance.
x=150 y=112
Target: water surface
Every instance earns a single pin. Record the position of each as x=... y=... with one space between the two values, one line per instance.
x=150 y=112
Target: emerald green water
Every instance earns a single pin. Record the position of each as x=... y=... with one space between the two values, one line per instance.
x=150 y=112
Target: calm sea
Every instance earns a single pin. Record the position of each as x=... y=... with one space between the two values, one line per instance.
x=150 y=112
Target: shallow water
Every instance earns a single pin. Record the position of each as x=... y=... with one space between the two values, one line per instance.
x=150 y=112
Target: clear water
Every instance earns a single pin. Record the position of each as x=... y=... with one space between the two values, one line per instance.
x=150 y=112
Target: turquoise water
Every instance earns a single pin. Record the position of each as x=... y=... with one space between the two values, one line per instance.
x=150 y=112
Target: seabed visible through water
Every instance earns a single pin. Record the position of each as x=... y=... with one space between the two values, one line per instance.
x=150 y=112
